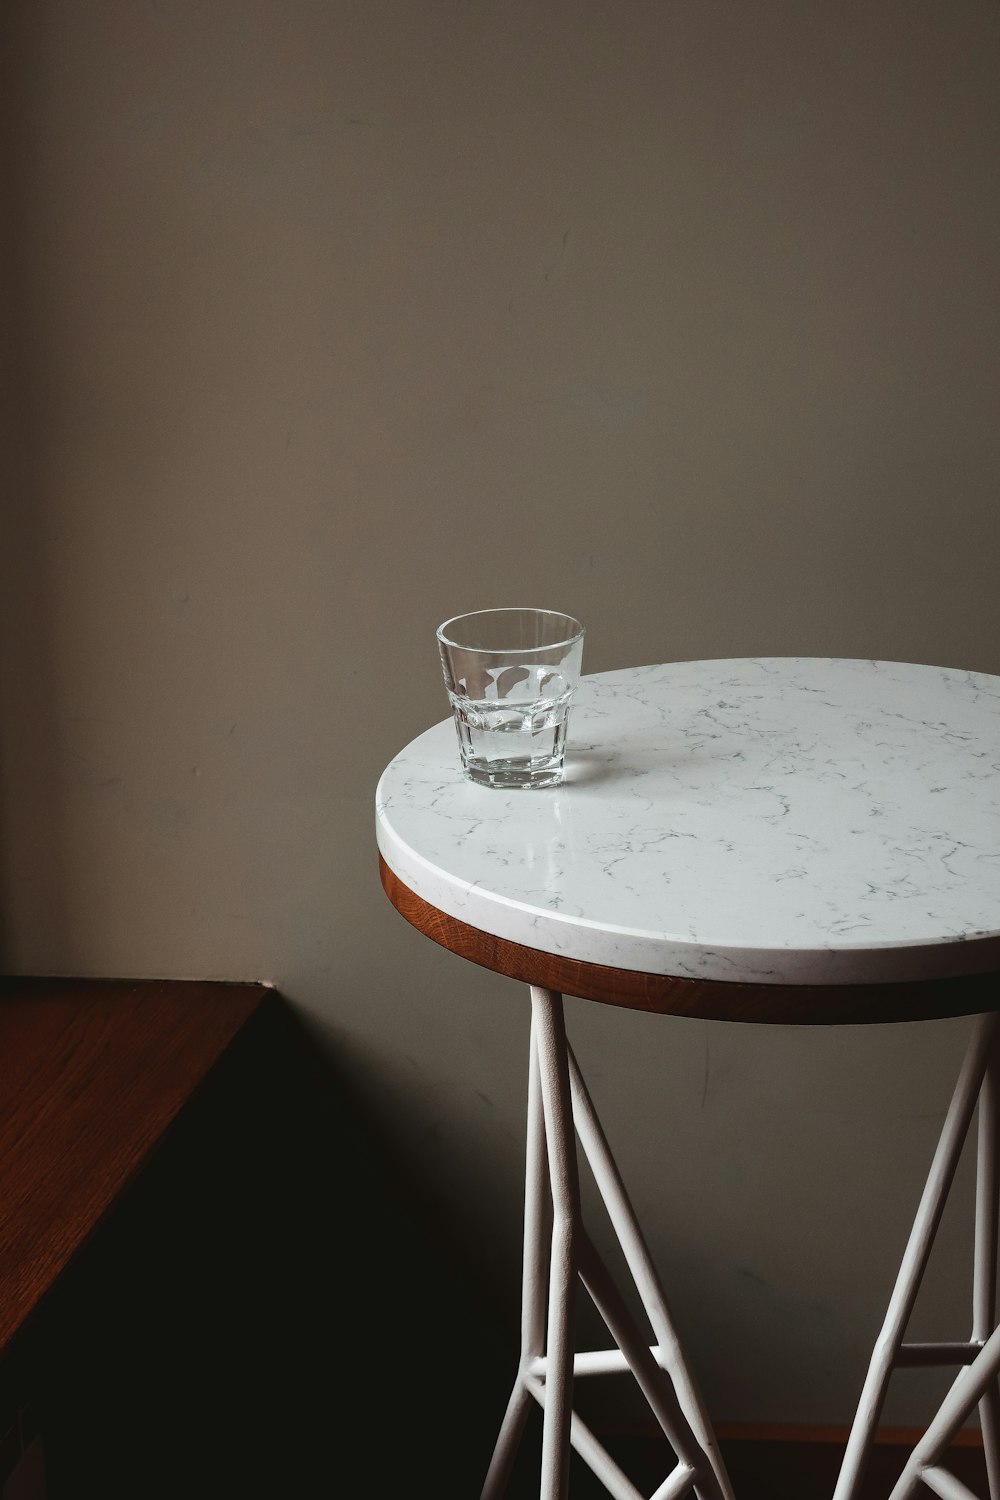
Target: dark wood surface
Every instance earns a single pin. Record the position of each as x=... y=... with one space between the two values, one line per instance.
x=273 y=1307
x=789 y=1004
x=93 y=1073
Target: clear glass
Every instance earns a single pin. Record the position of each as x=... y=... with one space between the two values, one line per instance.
x=511 y=675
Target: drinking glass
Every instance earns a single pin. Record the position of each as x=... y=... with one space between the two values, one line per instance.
x=511 y=675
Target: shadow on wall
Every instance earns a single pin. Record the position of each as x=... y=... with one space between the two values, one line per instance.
x=31 y=845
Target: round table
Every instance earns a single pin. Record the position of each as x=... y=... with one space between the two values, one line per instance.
x=782 y=839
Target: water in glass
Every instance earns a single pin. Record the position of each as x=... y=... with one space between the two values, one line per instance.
x=518 y=741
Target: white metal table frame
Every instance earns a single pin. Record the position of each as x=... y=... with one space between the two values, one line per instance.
x=558 y=1252
x=978 y=1358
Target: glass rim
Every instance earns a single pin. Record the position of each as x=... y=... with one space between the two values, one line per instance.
x=512 y=609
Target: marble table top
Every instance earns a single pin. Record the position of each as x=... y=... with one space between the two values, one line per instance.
x=776 y=821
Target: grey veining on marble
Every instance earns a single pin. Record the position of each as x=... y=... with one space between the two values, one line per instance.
x=782 y=820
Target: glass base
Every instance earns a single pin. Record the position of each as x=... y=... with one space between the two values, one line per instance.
x=514 y=775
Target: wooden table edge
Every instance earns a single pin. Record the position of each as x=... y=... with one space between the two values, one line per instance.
x=42 y=1241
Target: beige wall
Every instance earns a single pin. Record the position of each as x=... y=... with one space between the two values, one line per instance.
x=333 y=319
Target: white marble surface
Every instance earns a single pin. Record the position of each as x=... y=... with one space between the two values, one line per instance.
x=789 y=821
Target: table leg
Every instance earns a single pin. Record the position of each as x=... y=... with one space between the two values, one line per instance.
x=923 y=1466
x=547 y=1014
x=537 y=1231
x=978 y=1080
x=556 y=1243
x=640 y=1263
x=984 y=1287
